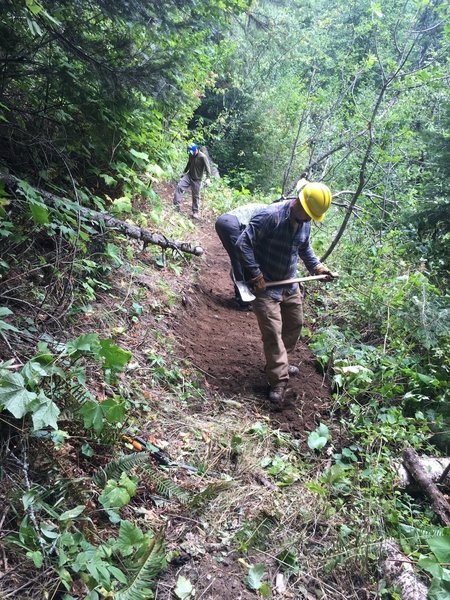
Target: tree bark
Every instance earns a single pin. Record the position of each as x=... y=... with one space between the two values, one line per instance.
x=107 y=220
x=439 y=504
x=434 y=467
x=399 y=572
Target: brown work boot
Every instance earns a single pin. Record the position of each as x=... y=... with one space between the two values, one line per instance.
x=277 y=391
x=293 y=371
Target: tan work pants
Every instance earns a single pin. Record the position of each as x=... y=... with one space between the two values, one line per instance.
x=280 y=323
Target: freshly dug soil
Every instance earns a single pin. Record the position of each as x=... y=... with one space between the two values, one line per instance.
x=225 y=344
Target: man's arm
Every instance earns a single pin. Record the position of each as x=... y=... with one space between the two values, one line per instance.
x=312 y=263
x=309 y=257
x=207 y=166
x=247 y=240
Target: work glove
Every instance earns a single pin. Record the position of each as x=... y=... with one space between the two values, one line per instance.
x=324 y=270
x=258 y=284
x=207 y=181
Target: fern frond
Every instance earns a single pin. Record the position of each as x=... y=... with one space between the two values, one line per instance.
x=209 y=493
x=115 y=468
x=165 y=487
x=80 y=393
x=418 y=535
x=140 y=587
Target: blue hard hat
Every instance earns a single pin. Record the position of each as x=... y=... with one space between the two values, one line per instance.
x=192 y=148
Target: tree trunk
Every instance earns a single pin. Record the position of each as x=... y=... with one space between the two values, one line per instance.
x=435 y=469
x=132 y=231
x=399 y=572
x=439 y=504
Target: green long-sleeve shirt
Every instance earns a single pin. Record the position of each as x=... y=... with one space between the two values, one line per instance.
x=197 y=165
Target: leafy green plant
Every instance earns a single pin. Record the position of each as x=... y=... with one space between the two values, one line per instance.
x=38 y=388
x=117 y=494
x=254 y=580
x=281 y=469
x=145 y=576
x=319 y=438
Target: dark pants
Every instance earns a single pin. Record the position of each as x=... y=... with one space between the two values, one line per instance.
x=228 y=230
x=185 y=183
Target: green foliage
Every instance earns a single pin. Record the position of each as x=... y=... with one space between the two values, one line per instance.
x=281 y=469
x=154 y=561
x=118 y=493
x=165 y=487
x=115 y=468
x=255 y=533
x=39 y=388
x=254 y=577
x=431 y=548
x=319 y=438
x=56 y=537
x=184 y=588
x=117 y=85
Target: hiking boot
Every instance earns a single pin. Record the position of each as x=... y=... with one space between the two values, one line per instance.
x=293 y=371
x=276 y=392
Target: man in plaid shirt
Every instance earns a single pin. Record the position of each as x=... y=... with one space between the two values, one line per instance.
x=269 y=248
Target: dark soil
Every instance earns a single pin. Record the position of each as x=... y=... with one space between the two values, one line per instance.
x=225 y=344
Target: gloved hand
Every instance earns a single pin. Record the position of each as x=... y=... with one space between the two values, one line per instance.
x=258 y=284
x=207 y=181
x=324 y=270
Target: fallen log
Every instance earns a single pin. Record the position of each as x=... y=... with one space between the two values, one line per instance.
x=439 y=503
x=107 y=220
x=437 y=469
x=399 y=572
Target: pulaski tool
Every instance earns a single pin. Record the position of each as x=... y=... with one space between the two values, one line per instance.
x=248 y=296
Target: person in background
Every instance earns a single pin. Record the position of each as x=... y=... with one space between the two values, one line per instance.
x=192 y=178
x=268 y=249
x=229 y=227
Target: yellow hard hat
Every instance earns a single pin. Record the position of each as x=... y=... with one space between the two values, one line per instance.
x=315 y=199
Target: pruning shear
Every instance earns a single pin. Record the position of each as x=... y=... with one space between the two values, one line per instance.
x=141 y=445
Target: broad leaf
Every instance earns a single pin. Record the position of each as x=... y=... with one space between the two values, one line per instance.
x=254 y=577
x=87 y=342
x=129 y=537
x=184 y=588
x=13 y=394
x=115 y=357
x=92 y=414
x=318 y=438
x=72 y=513
x=440 y=546
x=46 y=414
x=39 y=212
x=114 y=496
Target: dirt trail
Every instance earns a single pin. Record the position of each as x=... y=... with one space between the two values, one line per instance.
x=225 y=344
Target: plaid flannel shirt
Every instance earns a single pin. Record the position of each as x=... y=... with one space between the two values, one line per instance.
x=268 y=245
